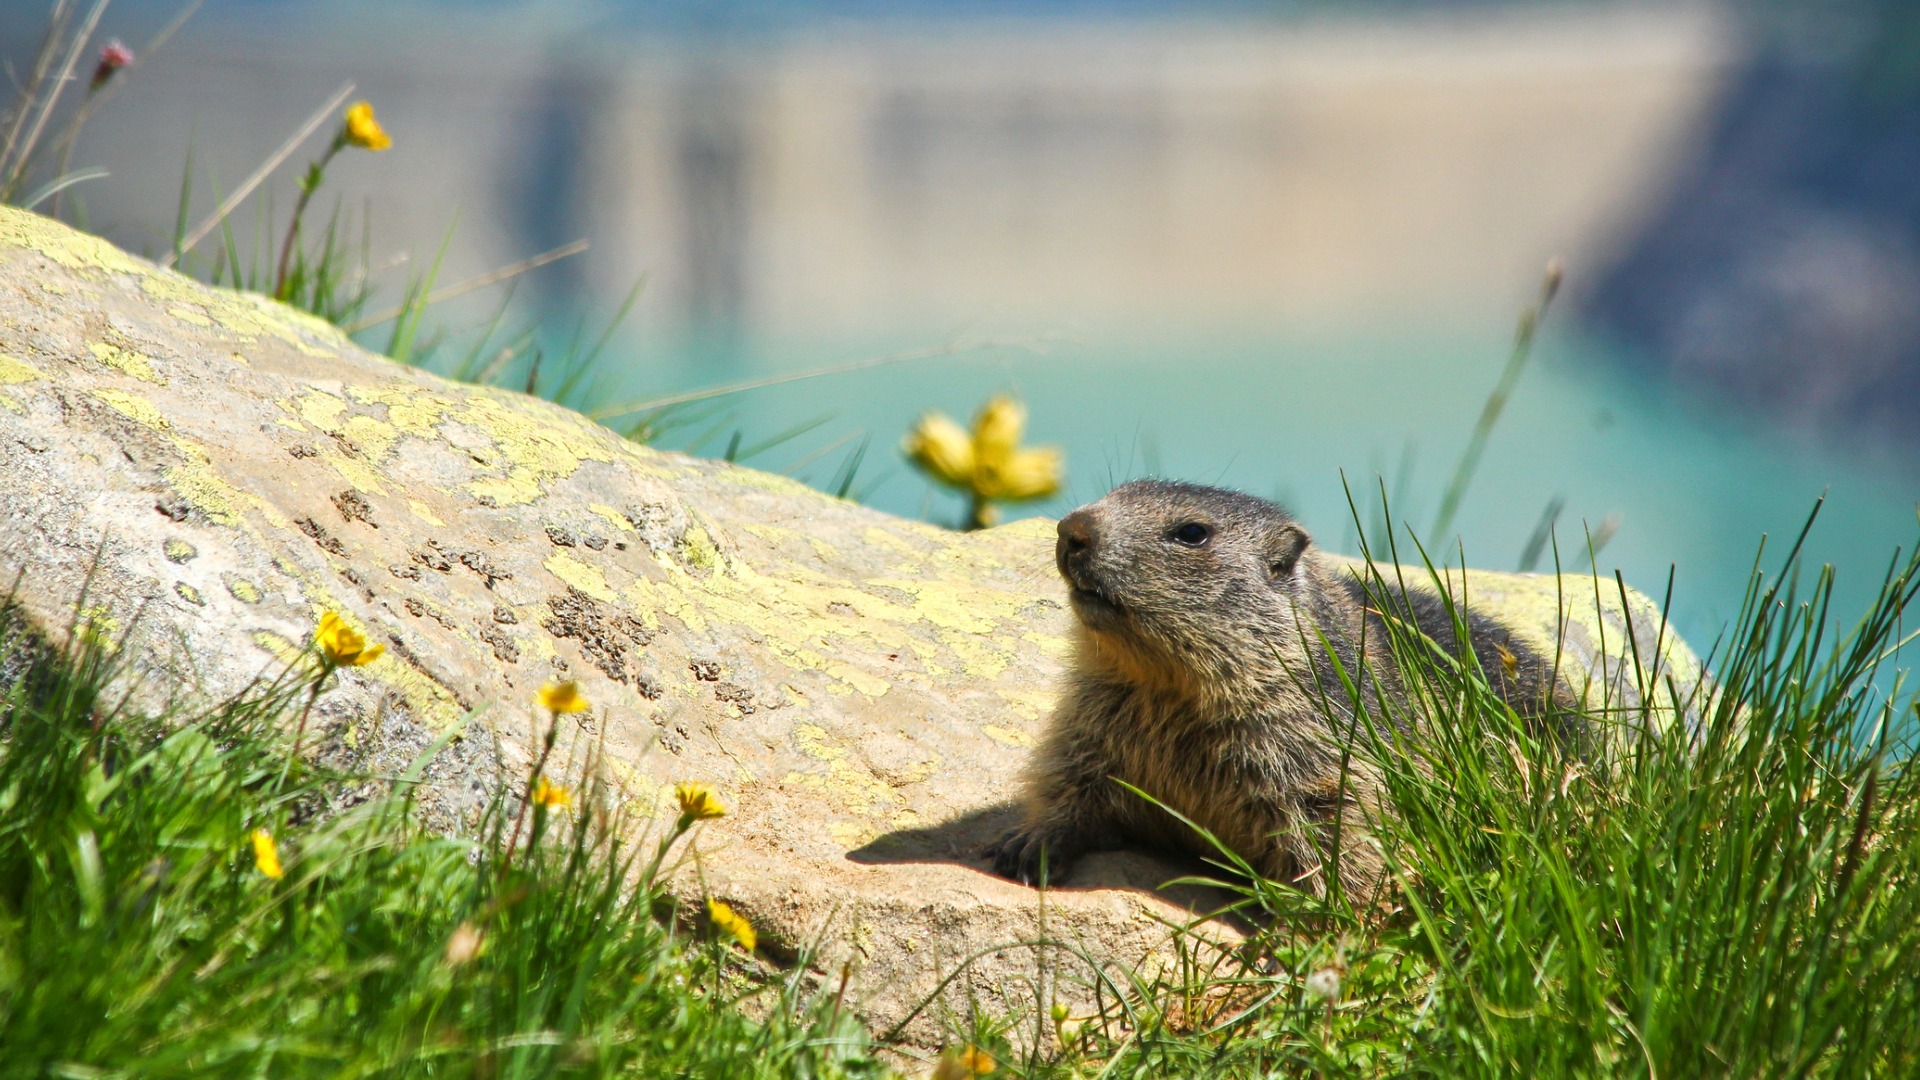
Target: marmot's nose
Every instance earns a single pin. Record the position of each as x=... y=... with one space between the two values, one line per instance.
x=1077 y=537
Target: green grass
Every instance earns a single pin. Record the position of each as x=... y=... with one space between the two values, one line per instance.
x=139 y=937
x=1734 y=896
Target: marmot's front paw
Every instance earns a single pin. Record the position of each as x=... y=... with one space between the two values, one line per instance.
x=1025 y=851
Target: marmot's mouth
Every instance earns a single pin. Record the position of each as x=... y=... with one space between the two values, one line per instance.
x=1095 y=608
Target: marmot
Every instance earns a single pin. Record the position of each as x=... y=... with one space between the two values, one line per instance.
x=1200 y=676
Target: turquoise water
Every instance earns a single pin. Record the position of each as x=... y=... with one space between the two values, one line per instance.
x=1694 y=489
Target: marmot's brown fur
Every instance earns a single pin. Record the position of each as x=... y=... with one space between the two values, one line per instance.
x=1200 y=676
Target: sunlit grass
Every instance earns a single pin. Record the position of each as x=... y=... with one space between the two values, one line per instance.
x=179 y=898
x=1734 y=892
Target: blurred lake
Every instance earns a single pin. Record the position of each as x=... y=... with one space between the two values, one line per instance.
x=1273 y=248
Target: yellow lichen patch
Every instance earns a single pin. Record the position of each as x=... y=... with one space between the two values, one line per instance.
x=414 y=410
x=1052 y=646
x=14 y=371
x=851 y=835
x=288 y=318
x=1022 y=531
x=648 y=597
x=190 y=315
x=636 y=785
x=321 y=409
x=133 y=407
x=813 y=741
x=428 y=699
x=917 y=773
x=581 y=575
x=276 y=646
x=12 y=406
x=356 y=473
x=1007 y=736
x=98 y=622
x=1029 y=704
x=613 y=517
x=178 y=550
x=71 y=249
x=953 y=605
x=195 y=481
x=537 y=450
x=243 y=590
x=979 y=656
x=246 y=314
x=768 y=482
x=698 y=550
x=374 y=437
x=291 y=424
x=859 y=680
x=425 y=513
x=849 y=789
x=188 y=593
x=884 y=538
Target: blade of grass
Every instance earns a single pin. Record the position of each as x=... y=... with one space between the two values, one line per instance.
x=407 y=326
x=1496 y=403
x=494 y=277
x=797 y=376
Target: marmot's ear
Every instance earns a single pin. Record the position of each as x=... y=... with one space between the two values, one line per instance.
x=1284 y=551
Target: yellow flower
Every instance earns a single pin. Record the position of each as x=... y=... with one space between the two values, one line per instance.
x=266 y=856
x=732 y=924
x=697 y=802
x=341 y=645
x=552 y=796
x=997 y=429
x=363 y=130
x=942 y=448
x=987 y=464
x=563 y=697
x=963 y=1063
x=1024 y=474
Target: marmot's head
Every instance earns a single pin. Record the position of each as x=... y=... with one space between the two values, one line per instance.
x=1179 y=575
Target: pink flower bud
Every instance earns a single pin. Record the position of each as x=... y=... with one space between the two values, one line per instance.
x=113 y=57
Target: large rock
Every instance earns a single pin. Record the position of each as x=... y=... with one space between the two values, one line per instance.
x=860 y=689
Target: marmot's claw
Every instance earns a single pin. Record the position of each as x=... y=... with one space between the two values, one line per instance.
x=1020 y=853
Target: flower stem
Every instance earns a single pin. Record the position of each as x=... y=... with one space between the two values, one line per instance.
x=533 y=778
x=313 y=695
x=980 y=513
x=309 y=185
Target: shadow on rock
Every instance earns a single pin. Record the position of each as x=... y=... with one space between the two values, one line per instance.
x=960 y=841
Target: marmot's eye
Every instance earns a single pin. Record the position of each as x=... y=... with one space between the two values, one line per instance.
x=1192 y=534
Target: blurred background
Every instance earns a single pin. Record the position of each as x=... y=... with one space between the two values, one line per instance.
x=1278 y=246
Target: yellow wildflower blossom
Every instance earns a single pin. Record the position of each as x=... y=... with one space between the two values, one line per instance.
x=942 y=448
x=997 y=429
x=362 y=130
x=697 y=802
x=341 y=645
x=989 y=464
x=266 y=856
x=1023 y=475
x=563 y=697
x=551 y=795
x=732 y=924
x=963 y=1063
